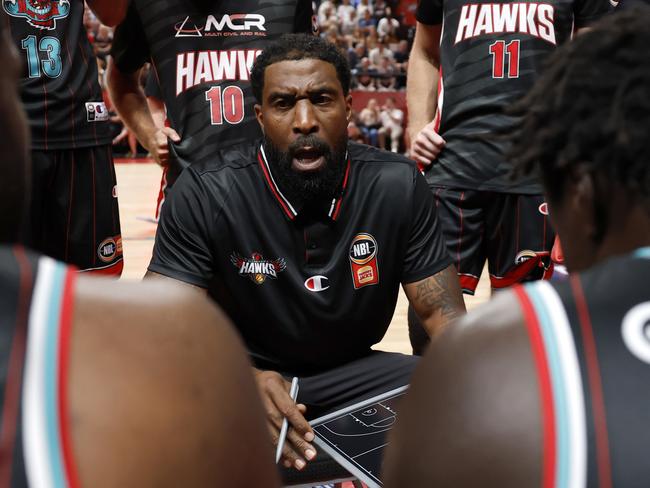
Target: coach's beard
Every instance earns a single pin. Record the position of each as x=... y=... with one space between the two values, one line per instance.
x=308 y=187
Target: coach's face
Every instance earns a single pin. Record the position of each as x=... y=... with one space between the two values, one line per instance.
x=304 y=112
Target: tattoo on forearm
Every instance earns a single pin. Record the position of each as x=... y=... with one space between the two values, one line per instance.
x=438 y=293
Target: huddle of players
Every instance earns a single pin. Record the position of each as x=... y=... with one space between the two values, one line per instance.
x=569 y=312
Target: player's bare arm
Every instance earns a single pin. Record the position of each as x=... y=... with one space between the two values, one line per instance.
x=494 y=381
x=109 y=12
x=437 y=300
x=131 y=104
x=422 y=93
x=176 y=380
x=152 y=275
x=274 y=390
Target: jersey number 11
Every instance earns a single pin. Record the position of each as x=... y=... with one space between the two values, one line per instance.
x=499 y=50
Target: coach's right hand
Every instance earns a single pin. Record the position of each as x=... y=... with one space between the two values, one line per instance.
x=426 y=144
x=274 y=390
x=158 y=144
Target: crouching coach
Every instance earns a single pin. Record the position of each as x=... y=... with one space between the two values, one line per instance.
x=303 y=238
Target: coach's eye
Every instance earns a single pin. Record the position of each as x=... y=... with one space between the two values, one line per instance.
x=283 y=103
x=320 y=99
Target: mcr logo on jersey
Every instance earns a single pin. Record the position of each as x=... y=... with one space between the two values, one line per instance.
x=257 y=268
x=363 y=261
x=41 y=14
x=226 y=25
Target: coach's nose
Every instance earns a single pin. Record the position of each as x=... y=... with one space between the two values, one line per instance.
x=305 y=120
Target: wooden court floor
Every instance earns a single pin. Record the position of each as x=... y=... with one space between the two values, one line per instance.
x=138 y=185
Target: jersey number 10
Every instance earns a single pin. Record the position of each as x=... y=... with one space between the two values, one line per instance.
x=227 y=105
x=498 y=50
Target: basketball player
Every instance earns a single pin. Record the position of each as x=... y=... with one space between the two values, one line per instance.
x=202 y=52
x=304 y=238
x=459 y=81
x=106 y=384
x=547 y=385
x=74 y=212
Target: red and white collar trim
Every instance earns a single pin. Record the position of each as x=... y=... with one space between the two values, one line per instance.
x=335 y=207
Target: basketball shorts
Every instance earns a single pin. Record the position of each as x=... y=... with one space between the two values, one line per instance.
x=74 y=214
x=511 y=231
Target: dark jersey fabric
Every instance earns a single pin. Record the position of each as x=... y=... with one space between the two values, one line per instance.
x=59 y=84
x=305 y=315
x=609 y=311
x=203 y=60
x=490 y=55
x=17 y=278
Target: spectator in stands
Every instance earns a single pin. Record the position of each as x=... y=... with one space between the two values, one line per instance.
x=330 y=23
x=364 y=5
x=387 y=27
x=349 y=25
x=401 y=55
x=371 y=125
x=344 y=10
x=379 y=9
x=392 y=121
x=324 y=11
x=386 y=72
x=367 y=23
x=376 y=54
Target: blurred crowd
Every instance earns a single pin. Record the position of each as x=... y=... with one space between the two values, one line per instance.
x=377 y=43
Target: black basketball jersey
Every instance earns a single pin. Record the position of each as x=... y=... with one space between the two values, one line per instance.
x=490 y=55
x=590 y=338
x=203 y=61
x=59 y=86
x=35 y=317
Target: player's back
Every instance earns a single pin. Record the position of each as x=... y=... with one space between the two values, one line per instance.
x=593 y=364
x=33 y=292
x=101 y=380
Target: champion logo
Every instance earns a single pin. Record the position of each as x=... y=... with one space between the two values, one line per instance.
x=543 y=208
x=317 y=283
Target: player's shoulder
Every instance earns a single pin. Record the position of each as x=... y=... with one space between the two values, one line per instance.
x=224 y=162
x=216 y=174
x=375 y=159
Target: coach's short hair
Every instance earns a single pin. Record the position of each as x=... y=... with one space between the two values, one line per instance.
x=294 y=47
x=589 y=112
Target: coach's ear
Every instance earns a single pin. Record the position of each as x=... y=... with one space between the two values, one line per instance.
x=259 y=115
x=348 y=107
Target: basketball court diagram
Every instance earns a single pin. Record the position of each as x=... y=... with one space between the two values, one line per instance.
x=356 y=436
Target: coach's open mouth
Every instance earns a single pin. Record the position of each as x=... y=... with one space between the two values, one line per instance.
x=308 y=159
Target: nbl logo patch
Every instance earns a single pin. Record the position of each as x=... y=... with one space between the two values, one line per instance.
x=363 y=261
x=41 y=14
x=110 y=248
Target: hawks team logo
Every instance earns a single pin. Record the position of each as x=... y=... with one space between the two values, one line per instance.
x=41 y=14
x=257 y=268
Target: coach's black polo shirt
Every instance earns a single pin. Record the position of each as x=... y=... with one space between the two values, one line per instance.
x=306 y=291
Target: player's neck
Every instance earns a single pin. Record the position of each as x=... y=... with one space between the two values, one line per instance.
x=627 y=232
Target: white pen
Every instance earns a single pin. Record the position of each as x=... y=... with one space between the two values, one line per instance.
x=293 y=393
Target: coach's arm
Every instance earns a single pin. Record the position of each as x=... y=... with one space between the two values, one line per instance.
x=437 y=300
